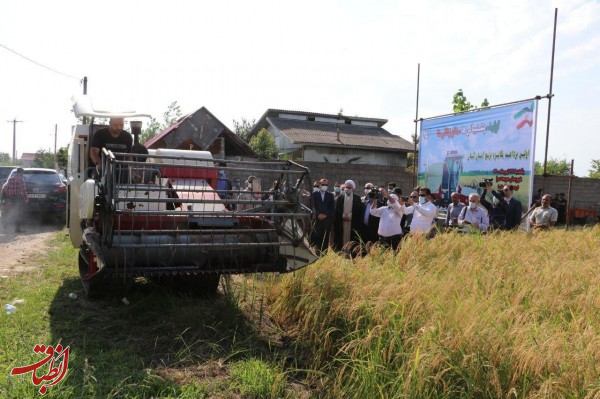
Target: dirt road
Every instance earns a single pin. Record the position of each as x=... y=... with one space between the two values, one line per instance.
x=18 y=250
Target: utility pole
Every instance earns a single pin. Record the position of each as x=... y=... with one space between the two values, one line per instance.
x=55 y=158
x=84 y=82
x=14 y=153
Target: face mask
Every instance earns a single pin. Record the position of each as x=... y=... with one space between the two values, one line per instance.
x=337 y=189
x=324 y=188
x=315 y=189
x=422 y=200
x=472 y=205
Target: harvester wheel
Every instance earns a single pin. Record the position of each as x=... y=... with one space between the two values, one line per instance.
x=93 y=286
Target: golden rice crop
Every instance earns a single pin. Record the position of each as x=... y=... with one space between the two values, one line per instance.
x=499 y=316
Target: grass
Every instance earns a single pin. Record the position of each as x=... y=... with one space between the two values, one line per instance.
x=508 y=315
x=162 y=345
x=257 y=379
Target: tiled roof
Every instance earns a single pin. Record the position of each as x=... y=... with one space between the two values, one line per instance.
x=323 y=133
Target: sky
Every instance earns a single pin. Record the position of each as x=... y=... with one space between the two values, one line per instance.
x=239 y=58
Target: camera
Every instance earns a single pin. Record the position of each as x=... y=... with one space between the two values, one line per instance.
x=485 y=182
x=374 y=193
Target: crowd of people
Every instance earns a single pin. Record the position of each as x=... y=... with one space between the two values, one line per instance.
x=382 y=214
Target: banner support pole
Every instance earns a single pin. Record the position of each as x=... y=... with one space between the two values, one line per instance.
x=415 y=163
x=550 y=94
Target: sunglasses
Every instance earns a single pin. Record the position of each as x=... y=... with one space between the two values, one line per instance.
x=414 y=196
x=422 y=195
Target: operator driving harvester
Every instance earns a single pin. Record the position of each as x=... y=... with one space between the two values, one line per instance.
x=156 y=213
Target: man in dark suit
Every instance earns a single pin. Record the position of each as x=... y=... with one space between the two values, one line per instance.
x=349 y=210
x=370 y=222
x=323 y=211
x=509 y=207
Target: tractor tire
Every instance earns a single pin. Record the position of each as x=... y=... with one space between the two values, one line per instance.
x=94 y=287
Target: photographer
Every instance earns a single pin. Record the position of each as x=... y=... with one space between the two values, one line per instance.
x=505 y=210
x=423 y=212
x=474 y=215
x=389 y=231
x=370 y=222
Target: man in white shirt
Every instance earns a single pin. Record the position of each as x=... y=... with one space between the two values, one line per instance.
x=389 y=231
x=423 y=212
x=474 y=216
x=544 y=216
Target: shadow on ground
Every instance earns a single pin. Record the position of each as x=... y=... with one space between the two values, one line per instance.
x=118 y=350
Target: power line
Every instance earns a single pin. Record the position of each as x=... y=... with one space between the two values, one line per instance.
x=39 y=63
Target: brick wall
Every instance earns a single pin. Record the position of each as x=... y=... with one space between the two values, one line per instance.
x=585 y=191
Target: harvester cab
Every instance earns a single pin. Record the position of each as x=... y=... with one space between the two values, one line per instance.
x=173 y=214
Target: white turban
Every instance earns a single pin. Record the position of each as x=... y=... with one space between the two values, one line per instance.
x=350 y=183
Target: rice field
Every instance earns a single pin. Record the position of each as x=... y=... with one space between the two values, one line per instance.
x=509 y=315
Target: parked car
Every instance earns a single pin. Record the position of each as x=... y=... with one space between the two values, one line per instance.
x=47 y=194
x=4 y=173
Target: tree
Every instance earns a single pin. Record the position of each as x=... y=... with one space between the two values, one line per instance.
x=5 y=158
x=461 y=104
x=263 y=144
x=43 y=159
x=170 y=116
x=243 y=127
x=62 y=158
x=595 y=171
x=555 y=167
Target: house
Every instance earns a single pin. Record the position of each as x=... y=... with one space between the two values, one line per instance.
x=201 y=130
x=27 y=159
x=335 y=139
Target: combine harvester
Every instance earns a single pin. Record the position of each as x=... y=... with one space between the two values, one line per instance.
x=157 y=214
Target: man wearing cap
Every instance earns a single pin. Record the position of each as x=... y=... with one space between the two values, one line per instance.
x=544 y=216
x=348 y=211
x=390 y=216
x=323 y=211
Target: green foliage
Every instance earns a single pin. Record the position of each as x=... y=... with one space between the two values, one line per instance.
x=62 y=157
x=5 y=159
x=595 y=171
x=554 y=167
x=43 y=159
x=243 y=127
x=461 y=104
x=264 y=145
x=170 y=116
x=256 y=379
